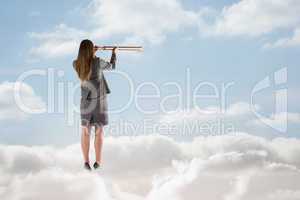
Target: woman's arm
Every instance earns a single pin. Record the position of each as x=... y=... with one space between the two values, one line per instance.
x=111 y=64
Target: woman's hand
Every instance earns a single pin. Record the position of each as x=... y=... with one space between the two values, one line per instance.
x=114 y=50
x=113 y=57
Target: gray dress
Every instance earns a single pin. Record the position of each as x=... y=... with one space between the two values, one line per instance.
x=93 y=103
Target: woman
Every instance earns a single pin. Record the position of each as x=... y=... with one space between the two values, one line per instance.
x=93 y=104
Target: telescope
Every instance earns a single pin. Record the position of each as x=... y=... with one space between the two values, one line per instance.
x=121 y=48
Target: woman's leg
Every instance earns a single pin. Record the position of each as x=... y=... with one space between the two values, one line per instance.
x=98 y=143
x=85 y=143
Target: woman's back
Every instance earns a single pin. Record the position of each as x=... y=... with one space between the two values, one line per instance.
x=95 y=86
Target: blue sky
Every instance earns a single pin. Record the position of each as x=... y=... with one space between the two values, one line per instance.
x=218 y=41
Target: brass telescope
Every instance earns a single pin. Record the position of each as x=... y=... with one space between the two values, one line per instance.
x=121 y=48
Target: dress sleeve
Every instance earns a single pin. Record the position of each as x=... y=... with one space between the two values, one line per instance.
x=104 y=65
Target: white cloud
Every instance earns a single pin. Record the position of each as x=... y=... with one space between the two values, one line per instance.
x=8 y=106
x=135 y=21
x=150 y=22
x=256 y=17
x=63 y=40
x=284 y=194
x=225 y=167
x=55 y=184
x=286 y=42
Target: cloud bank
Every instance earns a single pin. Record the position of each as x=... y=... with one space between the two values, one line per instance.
x=28 y=98
x=226 y=167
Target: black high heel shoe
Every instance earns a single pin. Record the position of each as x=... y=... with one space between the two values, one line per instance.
x=96 y=165
x=87 y=166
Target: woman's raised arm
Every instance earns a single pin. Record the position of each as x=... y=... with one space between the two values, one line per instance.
x=111 y=64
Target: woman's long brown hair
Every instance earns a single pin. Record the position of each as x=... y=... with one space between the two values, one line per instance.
x=84 y=59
